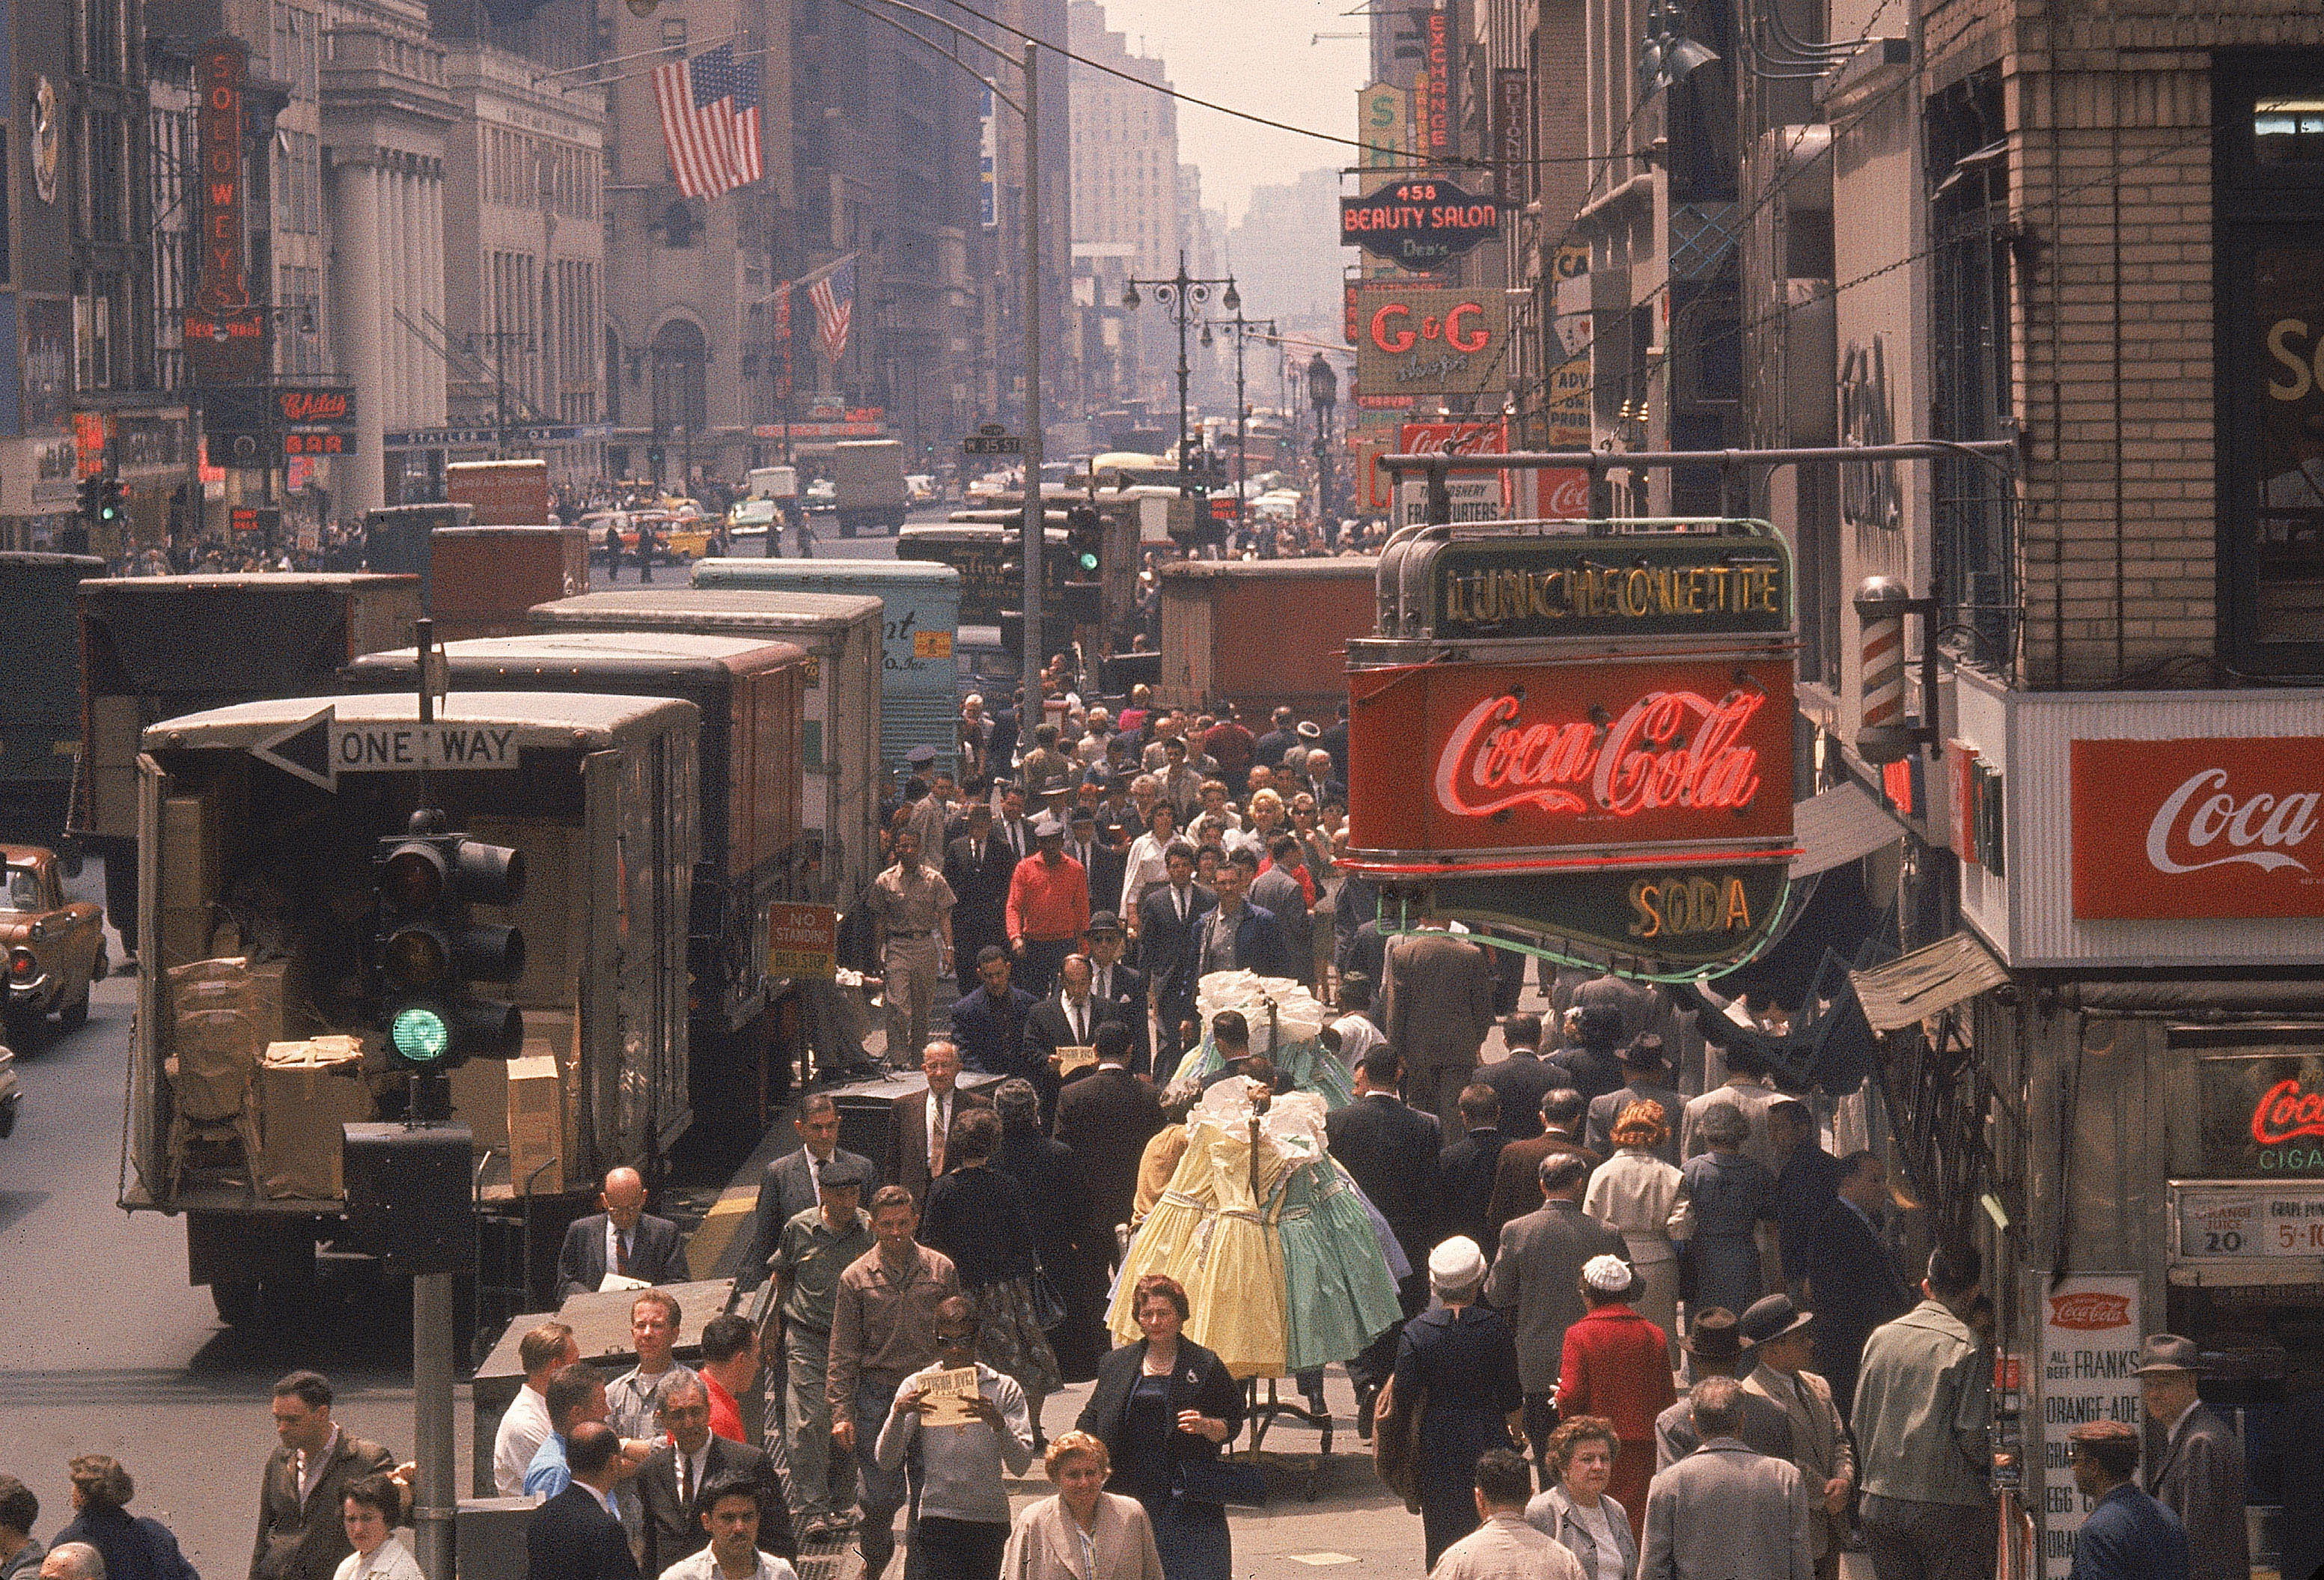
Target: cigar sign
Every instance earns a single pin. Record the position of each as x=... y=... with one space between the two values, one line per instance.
x=2171 y=830
x=1425 y=340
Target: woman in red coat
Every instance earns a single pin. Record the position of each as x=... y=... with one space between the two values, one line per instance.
x=1616 y=1364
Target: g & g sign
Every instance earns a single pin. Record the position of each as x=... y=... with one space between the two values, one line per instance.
x=1429 y=341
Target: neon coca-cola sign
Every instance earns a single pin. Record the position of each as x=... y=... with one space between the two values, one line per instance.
x=2287 y=1112
x=1668 y=749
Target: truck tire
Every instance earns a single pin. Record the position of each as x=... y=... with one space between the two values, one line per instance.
x=75 y=1013
x=240 y=1303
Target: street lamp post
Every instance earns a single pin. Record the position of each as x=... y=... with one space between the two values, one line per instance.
x=1244 y=329
x=1324 y=394
x=1182 y=296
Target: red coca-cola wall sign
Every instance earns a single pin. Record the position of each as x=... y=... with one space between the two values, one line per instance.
x=2090 y=1311
x=2171 y=830
x=1613 y=758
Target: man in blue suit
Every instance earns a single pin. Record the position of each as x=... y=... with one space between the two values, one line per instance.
x=1854 y=1284
x=988 y=1024
x=1238 y=936
x=2128 y=1536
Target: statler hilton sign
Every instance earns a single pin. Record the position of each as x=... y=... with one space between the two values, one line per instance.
x=1587 y=737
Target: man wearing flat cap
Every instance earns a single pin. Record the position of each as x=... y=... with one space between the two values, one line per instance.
x=2128 y=1534
x=1782 y=1342
x=2194 y=1463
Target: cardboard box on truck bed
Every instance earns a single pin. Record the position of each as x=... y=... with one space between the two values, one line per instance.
x=307 y=1091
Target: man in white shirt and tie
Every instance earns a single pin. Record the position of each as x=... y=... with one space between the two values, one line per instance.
x=1067 y=1019
x=915 y=1140
x=1118 y=991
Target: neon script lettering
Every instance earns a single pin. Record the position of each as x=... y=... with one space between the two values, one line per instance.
x=1668 y=749
x=2287 y=1112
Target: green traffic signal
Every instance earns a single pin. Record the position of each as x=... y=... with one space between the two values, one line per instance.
x=419 y=1036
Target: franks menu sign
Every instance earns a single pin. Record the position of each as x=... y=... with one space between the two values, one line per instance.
x=2173 y=830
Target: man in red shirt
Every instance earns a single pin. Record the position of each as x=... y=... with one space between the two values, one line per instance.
x=1231 y=745
x=730 y=1364
x=1049 y=907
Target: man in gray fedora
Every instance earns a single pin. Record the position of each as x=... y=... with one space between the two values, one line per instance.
x=2195 y=1464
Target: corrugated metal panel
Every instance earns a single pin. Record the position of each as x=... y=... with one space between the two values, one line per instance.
x=905 y=722
x=2039 y=927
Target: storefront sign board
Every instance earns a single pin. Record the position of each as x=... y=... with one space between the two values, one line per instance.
x=2200 y=828
x=2090 y=1338
x=2236 y=1222
x=1427 y=340
x=2262 y=1116
x=1593 y=761
x=1486 y=588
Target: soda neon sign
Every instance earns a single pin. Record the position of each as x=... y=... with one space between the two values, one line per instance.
x=1668 y=749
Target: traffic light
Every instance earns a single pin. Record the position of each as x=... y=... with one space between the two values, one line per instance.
x=1084 y=543
x=110 y=505
x=92 y=499
x=430 y=953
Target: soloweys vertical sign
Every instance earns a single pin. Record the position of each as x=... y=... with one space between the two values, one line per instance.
x=1587 y=735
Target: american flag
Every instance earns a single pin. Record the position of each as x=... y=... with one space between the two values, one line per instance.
x=710 y=121
x=834 y=296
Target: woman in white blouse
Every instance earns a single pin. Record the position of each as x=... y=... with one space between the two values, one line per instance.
x=368 y=1508
x=1647 y=1199
x=1145 y=864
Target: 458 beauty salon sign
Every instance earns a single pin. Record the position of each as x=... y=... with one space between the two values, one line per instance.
x=1429 y=341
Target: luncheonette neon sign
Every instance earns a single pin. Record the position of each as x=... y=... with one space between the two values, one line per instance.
x=1667 y=749
x=2285 y=1113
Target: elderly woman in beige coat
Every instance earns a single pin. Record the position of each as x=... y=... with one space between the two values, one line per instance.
x=1084 y=1532
x=1647 y=1199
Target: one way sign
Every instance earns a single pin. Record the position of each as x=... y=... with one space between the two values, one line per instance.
x=322 y=746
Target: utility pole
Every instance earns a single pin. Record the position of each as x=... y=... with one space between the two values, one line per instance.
x=1029 y=556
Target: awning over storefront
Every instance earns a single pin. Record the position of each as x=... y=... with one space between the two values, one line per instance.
x=1840 y=825
x=1926 y=981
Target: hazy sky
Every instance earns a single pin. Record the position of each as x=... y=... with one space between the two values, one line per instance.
x=1254 y=55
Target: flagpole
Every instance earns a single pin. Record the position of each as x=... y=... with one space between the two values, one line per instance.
x=1034 y=520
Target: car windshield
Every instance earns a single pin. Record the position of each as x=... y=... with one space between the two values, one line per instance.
x=23 y=892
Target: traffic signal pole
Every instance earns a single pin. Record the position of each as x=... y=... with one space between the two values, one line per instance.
x=433 y=1501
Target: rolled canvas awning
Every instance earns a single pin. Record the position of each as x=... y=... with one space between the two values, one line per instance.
x=1840 y=825
x=1925 y=981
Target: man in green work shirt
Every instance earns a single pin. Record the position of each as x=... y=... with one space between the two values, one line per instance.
x=1924 y=1398
x=815 y=1247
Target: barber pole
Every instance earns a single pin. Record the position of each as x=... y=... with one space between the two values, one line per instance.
x=1880 y=606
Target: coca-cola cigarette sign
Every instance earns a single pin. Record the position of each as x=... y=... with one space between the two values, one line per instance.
x=1572 y=763
x=2171 y=830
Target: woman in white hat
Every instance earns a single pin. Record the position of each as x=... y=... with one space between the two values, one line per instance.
x=1465 y=1356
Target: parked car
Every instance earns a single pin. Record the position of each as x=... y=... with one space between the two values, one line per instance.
x=56 y=949
x=823 y=494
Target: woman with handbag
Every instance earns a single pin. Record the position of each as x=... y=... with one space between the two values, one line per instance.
x=976 y=1215
x=1466 y=1357
x=1084 y=1532
x=1162 y=1406
x=1056 y=1198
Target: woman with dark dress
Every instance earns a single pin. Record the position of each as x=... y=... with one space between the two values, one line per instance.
x=133 y=1548
x=1466 y=1357
x=1056 y=1198
x=976 y=1215
x=1732 y=1195
x=1162 y=1407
